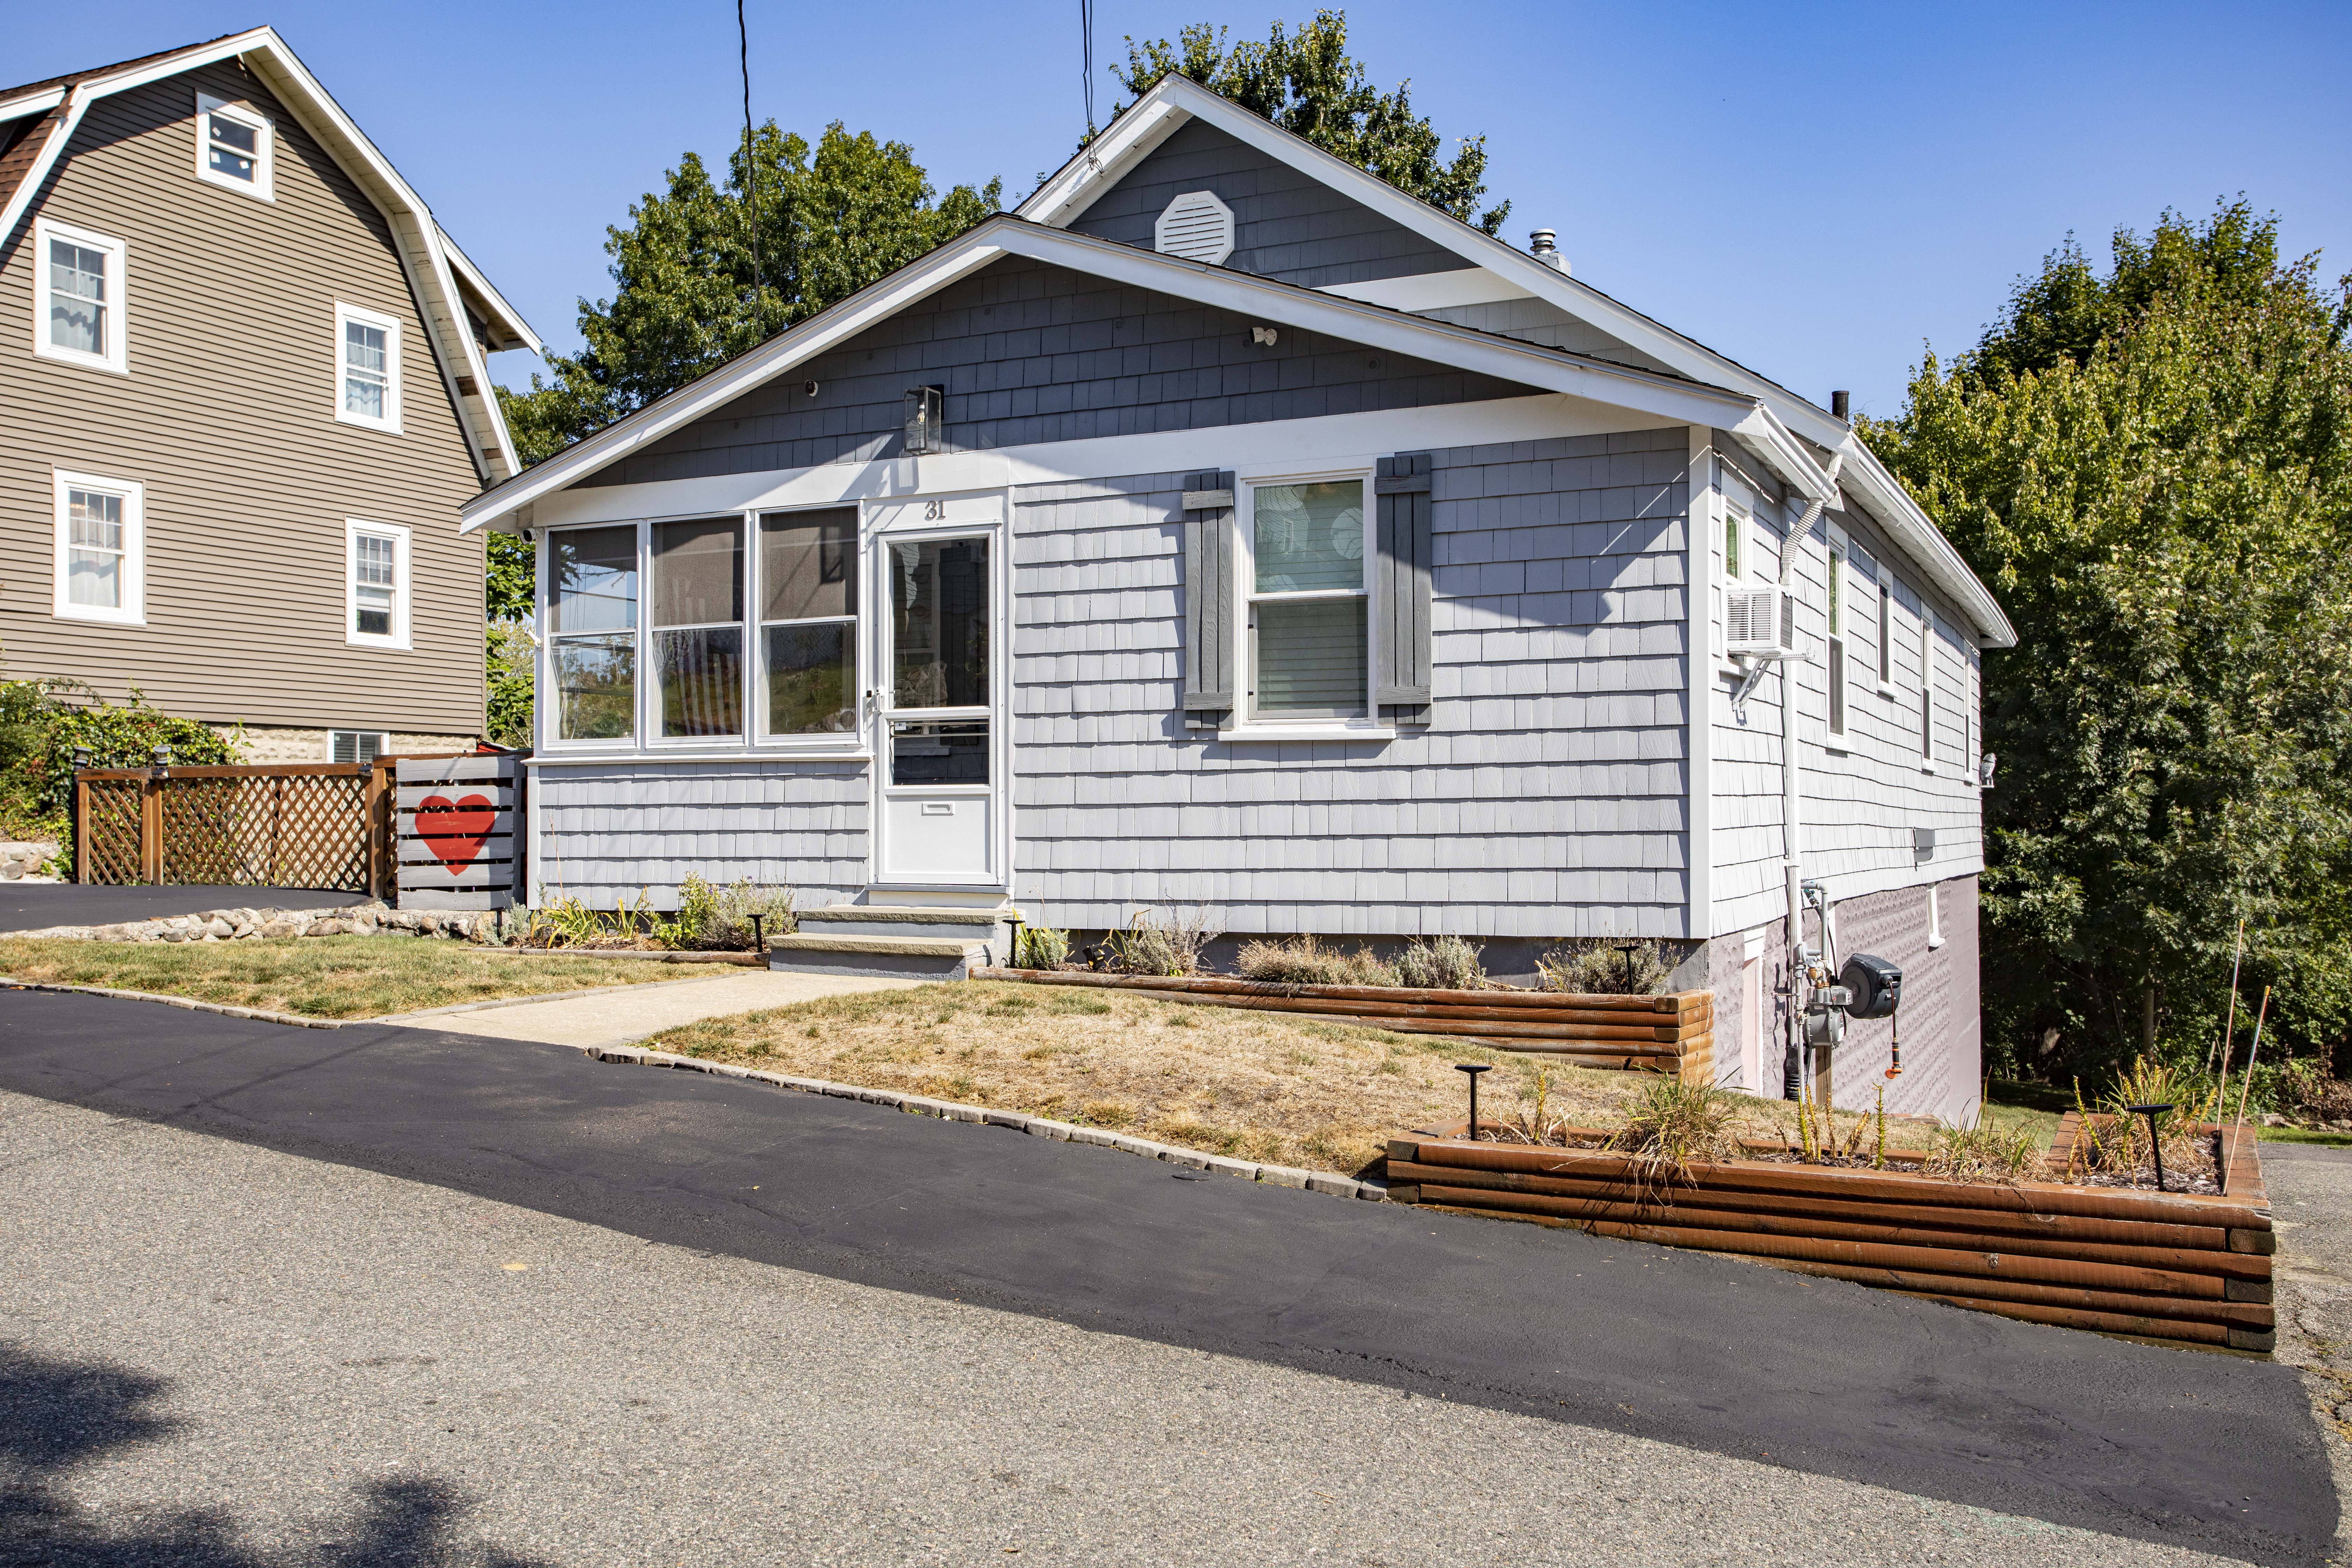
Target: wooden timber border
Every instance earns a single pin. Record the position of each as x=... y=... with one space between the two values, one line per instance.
x=1674 y=1033
x=2179 y=1267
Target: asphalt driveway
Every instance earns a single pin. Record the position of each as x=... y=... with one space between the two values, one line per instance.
x=1712 y=1356
x=46 y=904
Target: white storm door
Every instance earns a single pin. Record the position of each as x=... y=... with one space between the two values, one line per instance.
x=940 y=816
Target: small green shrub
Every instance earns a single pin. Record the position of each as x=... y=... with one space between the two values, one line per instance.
x=1040 y=947
x=43 y=722
x=1441 y=963
x=1984 y=1153
x=1673 y=1123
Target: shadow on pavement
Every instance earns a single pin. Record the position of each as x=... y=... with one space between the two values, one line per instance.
x=56 y=1415
x=47 y=904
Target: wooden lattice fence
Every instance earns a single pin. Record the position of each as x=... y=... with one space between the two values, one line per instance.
x=325 y=826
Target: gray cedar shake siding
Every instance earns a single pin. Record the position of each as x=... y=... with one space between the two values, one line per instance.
x=1287 y=224
x=1031 y=352
x=1546 y=798
x=226 y=417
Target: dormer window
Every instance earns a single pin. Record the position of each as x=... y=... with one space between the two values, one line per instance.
x=234 y=147
x=1196 y=226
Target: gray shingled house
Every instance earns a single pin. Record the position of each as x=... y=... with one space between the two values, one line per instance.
x=1227 y=529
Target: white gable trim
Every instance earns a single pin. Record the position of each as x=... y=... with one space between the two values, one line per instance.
x=423 y=255
x=1175 y=100
x=1665 y=397
x=1431 y=290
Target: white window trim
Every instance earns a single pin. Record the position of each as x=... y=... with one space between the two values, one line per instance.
x=399 y=639
x=390 y=423
x=116 y=357
x=1927 y=715
x=133 y=609
x=265 y=162
x=383 y=741
x=1837 y=652
x=1248 y=726
x=649 y=700
x=756 y=656
x=1886 y=632
x=546 y=710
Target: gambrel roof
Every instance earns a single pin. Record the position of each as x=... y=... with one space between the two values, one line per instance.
x=37 y=122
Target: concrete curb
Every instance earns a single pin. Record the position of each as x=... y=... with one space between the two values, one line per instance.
x=497 y=1002
x=187 y=1005
x=1035 y=1126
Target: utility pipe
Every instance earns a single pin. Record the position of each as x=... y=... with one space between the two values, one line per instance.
x=1792 y=860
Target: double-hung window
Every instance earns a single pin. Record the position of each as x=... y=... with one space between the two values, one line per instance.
x=78 y=308
x=592 y=619
x=234 y=147
x=808 y=623
x=101 y=547
x=1310 y=600
x=697 y=628
x=1926 y=686
x=376 y=612
x=367 y=369
x=1886 y=632
x=1837 y=638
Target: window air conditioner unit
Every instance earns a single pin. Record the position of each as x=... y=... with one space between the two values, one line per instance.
x=1760 y=622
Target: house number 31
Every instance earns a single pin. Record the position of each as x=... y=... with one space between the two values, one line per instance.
x=935 y=511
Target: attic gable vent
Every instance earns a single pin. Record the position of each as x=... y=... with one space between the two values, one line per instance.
x=1196 y=226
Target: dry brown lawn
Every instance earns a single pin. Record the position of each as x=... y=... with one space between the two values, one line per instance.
x=323 y=976
x=1257 y=1085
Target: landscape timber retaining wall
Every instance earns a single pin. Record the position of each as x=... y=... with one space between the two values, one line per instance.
x=1660 y=1034
x=2181 y=1267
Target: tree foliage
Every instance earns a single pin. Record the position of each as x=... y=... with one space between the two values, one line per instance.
x=2150 y=470
x=690 y=292
x=1308 y=84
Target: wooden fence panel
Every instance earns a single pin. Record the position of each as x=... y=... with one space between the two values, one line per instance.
x=459 y=844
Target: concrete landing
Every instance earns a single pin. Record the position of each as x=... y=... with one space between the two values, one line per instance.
x=621 y=1016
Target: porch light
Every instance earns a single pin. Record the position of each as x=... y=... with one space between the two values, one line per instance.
x=926 y=418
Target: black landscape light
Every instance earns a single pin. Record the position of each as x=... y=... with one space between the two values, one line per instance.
x=758 y=941
x=2155 y=1148
x=1627 y=950
x=1474 y=1069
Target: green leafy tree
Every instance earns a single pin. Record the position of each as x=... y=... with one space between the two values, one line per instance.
x=2150 y=470
x=1308 y=84
x=695 y=285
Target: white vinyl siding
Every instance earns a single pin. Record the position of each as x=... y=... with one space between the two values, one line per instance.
x=375 y=588
x=367 y=369
x=236 y=148
x=100 y=550
x=80 y=313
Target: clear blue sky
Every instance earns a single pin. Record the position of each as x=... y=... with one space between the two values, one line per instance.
x=1814 y=190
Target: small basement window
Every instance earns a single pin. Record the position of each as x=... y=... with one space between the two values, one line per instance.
x=234 y=147
x=355 y=745
x=1196 y=226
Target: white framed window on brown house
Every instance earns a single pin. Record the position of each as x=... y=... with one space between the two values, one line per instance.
x=697 y=626
x=1836 y=631
x=236 y=148
x=807 y=689
x=590 y=595
x=101 y=548
x=1306 y=557
x=376 y=586
x=81 y=298
x=367 y=369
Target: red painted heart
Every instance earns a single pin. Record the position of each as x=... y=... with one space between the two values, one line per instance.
x=455 y=830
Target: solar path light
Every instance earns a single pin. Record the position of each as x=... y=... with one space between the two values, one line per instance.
x=2155 y=1148
x=1474 y=1069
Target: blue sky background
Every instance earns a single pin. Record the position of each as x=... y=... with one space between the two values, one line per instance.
x=1815 y=191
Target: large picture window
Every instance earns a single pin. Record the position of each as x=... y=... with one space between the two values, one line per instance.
x=591 y=614
x=697 y=628
x=1309 y=620
x=78 y=308
x=808 y=622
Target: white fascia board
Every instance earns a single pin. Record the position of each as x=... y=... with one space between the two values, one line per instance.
x=1323 y=443
x=31 y=103
x=1663 y=398
x=1419 y=291
x=501 y=312
x=1780 y=451
x=1104 y=162
x=29 y=189
x=907 y=286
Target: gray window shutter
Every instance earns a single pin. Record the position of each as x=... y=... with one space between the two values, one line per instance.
x=1208 y=597
x=1400 y=586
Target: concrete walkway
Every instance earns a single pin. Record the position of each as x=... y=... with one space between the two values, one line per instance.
x=630 y=1014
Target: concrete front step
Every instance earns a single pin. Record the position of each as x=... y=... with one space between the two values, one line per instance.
x=906 y=920
x=886 y=957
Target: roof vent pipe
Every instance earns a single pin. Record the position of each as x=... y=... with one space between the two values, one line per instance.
x=1543 y=243
x=1841 y=406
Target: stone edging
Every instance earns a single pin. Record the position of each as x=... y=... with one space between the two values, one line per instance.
x=185 y=1003
x=1035 y=1126
x=255 y=924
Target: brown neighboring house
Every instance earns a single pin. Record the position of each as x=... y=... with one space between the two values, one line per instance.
x=242 y=398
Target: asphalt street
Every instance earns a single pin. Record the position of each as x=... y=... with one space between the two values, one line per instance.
x=859 y=1323
x=46 y=904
